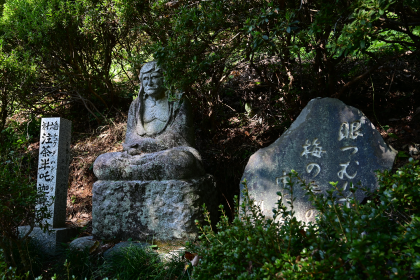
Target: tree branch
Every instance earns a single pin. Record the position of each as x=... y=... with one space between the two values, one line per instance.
x=368 y=72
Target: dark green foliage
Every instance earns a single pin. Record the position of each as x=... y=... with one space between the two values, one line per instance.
x=138 y=263
x=18 y=197
x=83 y=51
x=10 y=272
x=88 y=52
x=32 y=253
x=359 y=242
x=16 y=74
x=405 y=188
x=16 y=136
x=79 y=263
x=244 y=247
x=278 y=39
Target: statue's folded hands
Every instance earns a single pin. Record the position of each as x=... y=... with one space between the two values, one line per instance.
x=146 y=145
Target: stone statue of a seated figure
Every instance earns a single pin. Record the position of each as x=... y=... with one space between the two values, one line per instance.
x=159 y=137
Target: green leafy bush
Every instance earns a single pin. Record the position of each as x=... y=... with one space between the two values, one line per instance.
x=16 y=136
x=353 y=241
x=81 y=49
x=404 y=185
x=17 y=71
x=33 y=254
x=80 y=263
x=137 y=263
x=18 y=197
x=10 y=272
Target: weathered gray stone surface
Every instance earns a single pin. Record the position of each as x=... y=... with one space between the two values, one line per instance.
x=159 y=138
x=328 y=142
x=53 y=173
x=176 y=163
x=50 y=242
x=82 y=243
x=143 y=210
x=156 y=186
x=120 y=247
x=53 y=166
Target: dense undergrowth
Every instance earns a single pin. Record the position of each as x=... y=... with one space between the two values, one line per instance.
x=129 y=263
x=375 y=240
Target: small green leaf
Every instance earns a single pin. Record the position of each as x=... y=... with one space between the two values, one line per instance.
x=392 y=135
x=265 y=37
x=288 y=29
x=402 y=154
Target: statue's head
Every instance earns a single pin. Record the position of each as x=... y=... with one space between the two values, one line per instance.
x=151 y=78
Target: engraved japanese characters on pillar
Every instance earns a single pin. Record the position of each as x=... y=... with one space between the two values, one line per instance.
x=53 y=164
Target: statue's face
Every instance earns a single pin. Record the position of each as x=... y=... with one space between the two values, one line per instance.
x=153 y=84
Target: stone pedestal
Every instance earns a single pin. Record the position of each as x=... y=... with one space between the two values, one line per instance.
x=50 y=242
x=142 y=210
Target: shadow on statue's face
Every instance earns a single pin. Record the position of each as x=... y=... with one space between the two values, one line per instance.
x=153 y=84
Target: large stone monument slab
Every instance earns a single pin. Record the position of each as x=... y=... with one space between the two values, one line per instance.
x=53 y=173
x=328 y=142
x=153 y=188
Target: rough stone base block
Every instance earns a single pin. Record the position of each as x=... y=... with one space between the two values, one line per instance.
x=142 y=210
x=50 y=243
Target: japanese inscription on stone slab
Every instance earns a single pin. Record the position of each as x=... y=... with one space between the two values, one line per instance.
x=328 y=142
x=53 y=164
x=313 y=152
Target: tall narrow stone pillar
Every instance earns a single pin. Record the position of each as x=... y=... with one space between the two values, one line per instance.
x=53 y=166
x=53 y=174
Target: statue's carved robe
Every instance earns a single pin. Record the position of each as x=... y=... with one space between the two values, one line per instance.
x=164 y=155
x=178 y=130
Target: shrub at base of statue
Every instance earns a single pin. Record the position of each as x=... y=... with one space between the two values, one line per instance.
x=134 y=262
x=348 y=240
